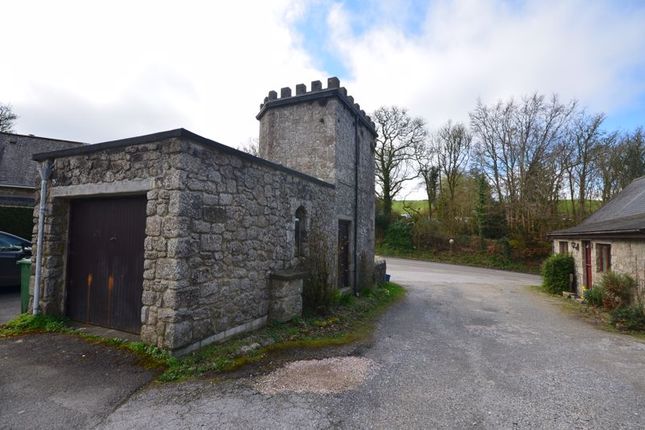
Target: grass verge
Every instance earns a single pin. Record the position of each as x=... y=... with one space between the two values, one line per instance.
x=591 y=314
x=148 y=356
x=352 y=319
x=474 y=259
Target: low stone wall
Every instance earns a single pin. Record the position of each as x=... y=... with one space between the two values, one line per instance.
x=380 y=269
x=286 y=295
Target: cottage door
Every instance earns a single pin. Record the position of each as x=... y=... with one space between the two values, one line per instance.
x=343 y=253
x=105 y=261
x=587 y=261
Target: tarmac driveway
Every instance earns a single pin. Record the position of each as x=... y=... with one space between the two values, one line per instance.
x=467 y=348
x=9 y=303
x=54 y=381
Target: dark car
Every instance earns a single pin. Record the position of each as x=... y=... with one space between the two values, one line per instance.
x=12 y=249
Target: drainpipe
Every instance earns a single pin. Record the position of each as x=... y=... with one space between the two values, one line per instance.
x=45 y=170
x=356 y=155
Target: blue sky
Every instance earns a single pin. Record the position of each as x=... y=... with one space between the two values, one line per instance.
x=619 y=88
x=363 y=14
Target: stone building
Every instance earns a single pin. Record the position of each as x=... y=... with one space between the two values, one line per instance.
x=186 y=241
x=325 y=134
x=18 y=172
x=18 y=175
x=612 y=239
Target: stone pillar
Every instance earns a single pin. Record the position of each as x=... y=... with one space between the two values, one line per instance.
x=380 y=269
x=285 y=295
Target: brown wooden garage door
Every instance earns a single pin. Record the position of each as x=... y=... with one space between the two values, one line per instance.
x=105 y=261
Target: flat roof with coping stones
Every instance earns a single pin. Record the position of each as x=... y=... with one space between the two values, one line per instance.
x=176 y=133
x=317 y=92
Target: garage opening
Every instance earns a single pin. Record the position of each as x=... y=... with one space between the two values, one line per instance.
x=105 y=261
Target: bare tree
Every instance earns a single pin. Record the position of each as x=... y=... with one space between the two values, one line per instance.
x=452 y=145
x=399 y=136
x=607 y=160
x=519 y=146
x=7 y=118
x=252 y=147
x=618 y=160
x=428 y=169
x=632 y=157
x=585 y=137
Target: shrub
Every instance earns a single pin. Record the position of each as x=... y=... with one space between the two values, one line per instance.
x=429 y=234
x=594 y=296
x=505 y=246
x=341 y=299
x=629 y=318
x=617 y=288
x=399 y=236
x=555 y=273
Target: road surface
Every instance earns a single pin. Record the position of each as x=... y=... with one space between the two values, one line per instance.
x=466 y=348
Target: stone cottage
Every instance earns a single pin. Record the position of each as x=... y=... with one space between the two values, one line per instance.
x=612 y=239
x=186 y=241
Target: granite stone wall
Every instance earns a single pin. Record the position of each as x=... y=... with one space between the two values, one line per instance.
x=218 y=223
x=244 y=232
x=627 y=256
x=105 y=173
x=318 y=132
x=288 y=132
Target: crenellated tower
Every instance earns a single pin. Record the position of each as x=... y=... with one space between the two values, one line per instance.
x=324 y=133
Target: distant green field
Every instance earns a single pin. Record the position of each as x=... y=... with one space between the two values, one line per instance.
x=421 y=205
x=417 y=205
x=564 y=206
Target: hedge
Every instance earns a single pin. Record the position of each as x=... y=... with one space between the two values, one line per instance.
x=18 y=221
x=555 y=273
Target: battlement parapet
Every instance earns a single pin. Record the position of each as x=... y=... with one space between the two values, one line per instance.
x=316 y=92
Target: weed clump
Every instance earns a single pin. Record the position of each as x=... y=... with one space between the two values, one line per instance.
x=618 y=289
x=594 y=296
x=631 y=318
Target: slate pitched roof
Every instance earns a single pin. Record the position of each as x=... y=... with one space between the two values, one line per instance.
x=17 y=169
x=624 y=215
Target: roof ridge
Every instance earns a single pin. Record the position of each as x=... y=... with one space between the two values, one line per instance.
x=33 y=136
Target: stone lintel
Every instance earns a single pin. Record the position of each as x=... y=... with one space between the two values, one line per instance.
x=134 y=186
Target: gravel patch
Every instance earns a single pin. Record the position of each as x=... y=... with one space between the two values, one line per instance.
x=327 y=376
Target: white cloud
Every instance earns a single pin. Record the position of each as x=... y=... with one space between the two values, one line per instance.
x=98 y=71
x=493 y=49
x=591 y=51
x=95 y=71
